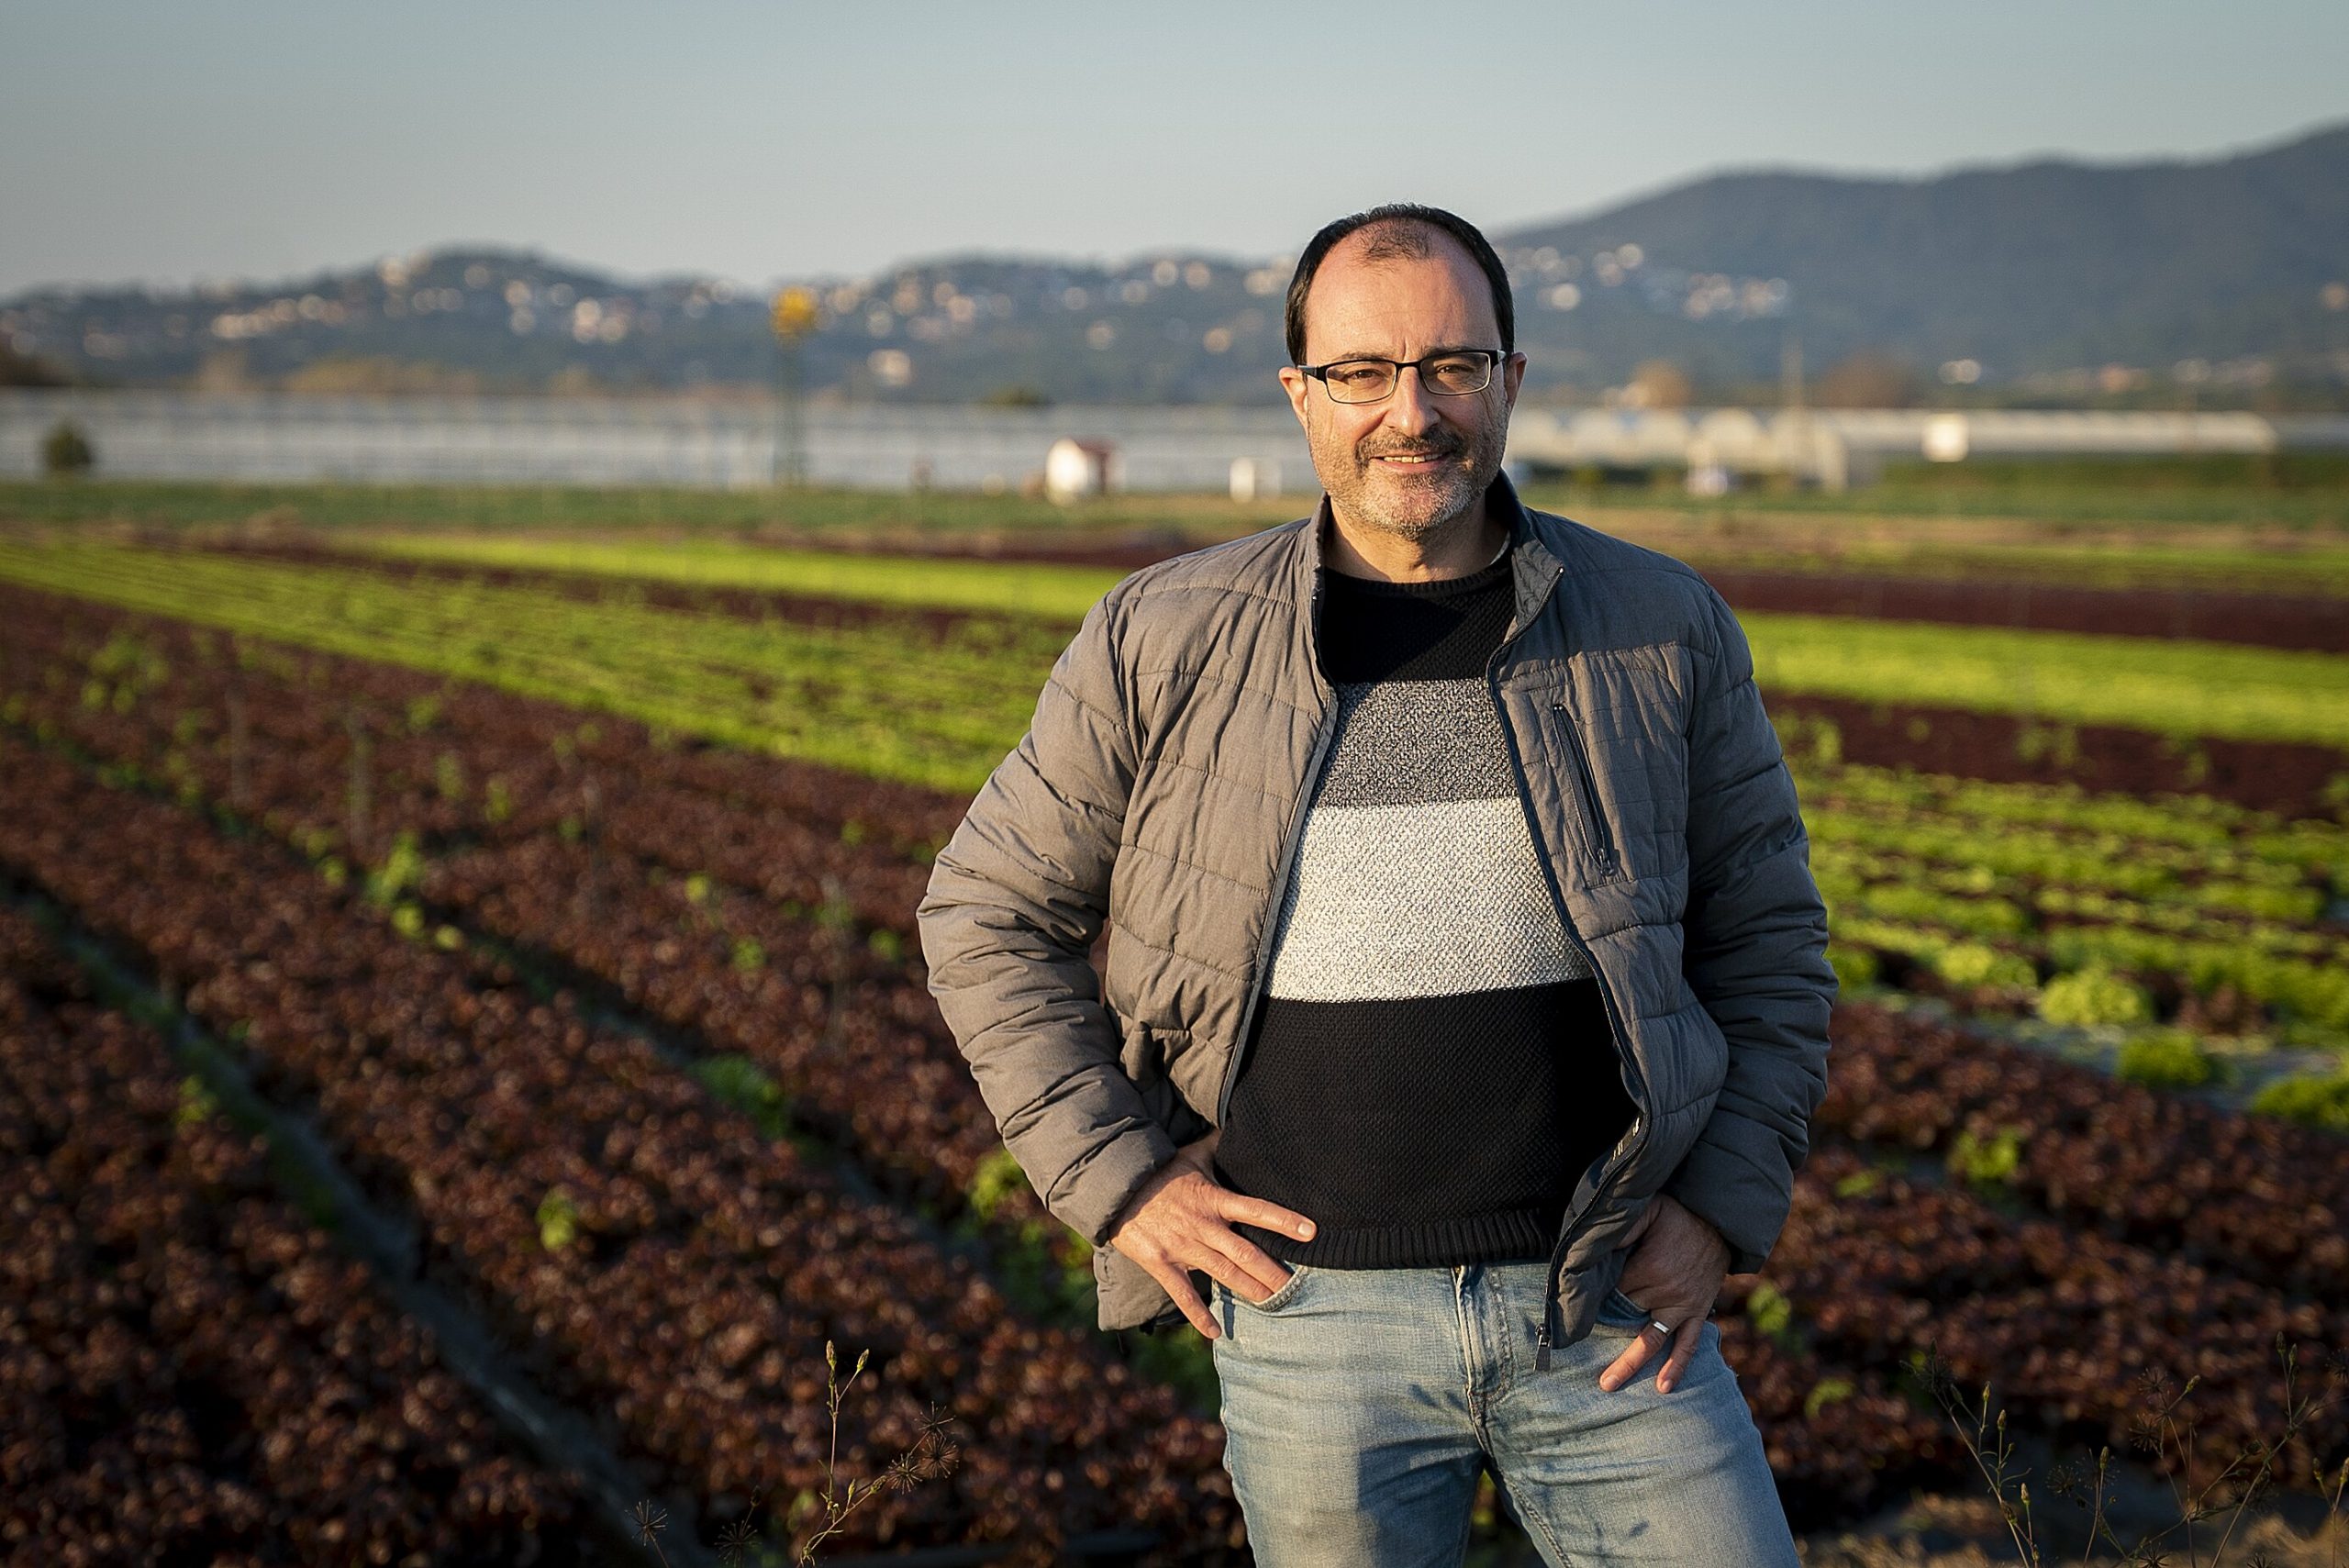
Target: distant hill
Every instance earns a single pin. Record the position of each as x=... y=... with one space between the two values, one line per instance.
x=2027 y=270
x=2039 y=275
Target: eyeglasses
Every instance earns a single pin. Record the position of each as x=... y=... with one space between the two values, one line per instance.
x=1453 y=373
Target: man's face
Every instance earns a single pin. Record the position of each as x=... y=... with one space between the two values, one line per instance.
x=1414 y=460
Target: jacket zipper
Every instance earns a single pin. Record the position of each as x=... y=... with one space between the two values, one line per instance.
x=1624 y=1153
x=1294 y=836
x=1600 y=837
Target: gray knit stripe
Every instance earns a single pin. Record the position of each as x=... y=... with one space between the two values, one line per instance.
x=1413 y=741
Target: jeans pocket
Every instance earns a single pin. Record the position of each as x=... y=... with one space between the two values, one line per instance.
x=1281 y=1298
x=1619 y=1314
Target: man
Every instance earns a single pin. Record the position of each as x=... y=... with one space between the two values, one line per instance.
x=1466 y=997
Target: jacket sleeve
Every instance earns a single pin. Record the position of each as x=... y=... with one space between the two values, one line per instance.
x=1755 y=955
x=1015 y=902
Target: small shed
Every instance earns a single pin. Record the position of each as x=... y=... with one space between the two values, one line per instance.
x=1075 y=468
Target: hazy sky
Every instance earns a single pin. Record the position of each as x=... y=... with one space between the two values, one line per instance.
x=162 y=141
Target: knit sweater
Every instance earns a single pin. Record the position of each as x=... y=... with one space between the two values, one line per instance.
x=1430 y=1071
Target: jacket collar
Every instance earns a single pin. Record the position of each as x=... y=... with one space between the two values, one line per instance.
x=1533 y=561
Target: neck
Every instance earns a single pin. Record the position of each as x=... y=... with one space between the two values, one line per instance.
x=1455 y=548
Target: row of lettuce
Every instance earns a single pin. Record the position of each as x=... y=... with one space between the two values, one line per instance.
x=755 y=910
x=2195 y=942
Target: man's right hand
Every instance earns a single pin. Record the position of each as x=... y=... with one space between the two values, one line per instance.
x=1181 y=1219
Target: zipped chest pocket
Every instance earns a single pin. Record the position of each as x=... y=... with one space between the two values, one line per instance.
x=1571 y=756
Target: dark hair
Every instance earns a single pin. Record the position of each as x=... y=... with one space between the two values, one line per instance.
x=1402 y=233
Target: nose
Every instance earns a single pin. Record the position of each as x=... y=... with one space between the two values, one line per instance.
x=1410 y=409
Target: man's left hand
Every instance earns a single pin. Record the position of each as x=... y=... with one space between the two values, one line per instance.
x=1675 y=1273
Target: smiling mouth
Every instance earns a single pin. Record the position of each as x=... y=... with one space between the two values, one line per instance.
x=1411 y=460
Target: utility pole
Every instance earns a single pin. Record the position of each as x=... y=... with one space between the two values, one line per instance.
x=1790 y=374
x=793 y=317
x=1793 y=424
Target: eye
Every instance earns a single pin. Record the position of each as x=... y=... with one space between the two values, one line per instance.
x=1356 y=374
x=1455 y=372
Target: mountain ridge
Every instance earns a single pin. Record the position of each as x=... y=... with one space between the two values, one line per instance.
x=2227 y=273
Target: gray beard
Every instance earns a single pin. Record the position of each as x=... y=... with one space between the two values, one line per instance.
x=1464 y=504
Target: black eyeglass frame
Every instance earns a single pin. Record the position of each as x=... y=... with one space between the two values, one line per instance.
x=1493 y=358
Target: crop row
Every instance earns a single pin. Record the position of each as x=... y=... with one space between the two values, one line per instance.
x=757 y=581
x=2119 y=843
x=943 y=713
x=330 y=751
x=2291 y=779
x=2246 y=1196
x=2110 y=557
x=1979 y=588
x=2197 y=855
x=855 y=697
x=823 y=1017
x=1877 y=1270
x=812 y=1010
x=652 y=1256
x=1028 y=589
x=188 y=1370
x=730 y=954
x=673 y=946
x=705 y=951
x=350 y=753
x=916 y=623
x=1852 y=1453
x=676 y=958
x=2286 y=619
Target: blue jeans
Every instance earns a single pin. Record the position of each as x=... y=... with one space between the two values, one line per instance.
x=1359 y=1406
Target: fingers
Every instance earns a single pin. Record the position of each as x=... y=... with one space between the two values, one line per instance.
x=1226 y=1256
x=1175 y=1281
x=1682 y=1342
x=1683 y=1349
x=1625 y=1367
x=1182 y=1220
x=1238 y=1259
x=1264 y=1215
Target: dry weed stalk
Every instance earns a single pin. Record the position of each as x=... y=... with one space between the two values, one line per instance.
x=2160 y=1431
x=932 y=1457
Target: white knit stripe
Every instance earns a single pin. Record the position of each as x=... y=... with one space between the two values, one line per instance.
x=1430 y=899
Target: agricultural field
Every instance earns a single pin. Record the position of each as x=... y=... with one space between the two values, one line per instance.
x=548 y=876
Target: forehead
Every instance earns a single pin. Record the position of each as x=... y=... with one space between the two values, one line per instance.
x=1397 y=307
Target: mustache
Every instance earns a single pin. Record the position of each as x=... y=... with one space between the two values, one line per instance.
x=1433 y=449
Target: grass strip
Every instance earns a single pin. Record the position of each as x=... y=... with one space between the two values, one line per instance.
x=866 y=699
x=1019 y=588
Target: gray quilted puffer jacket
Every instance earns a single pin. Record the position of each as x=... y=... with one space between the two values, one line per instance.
x=1163 y=788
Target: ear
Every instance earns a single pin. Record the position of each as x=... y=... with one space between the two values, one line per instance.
x=1512 y=377
x=1298 y=386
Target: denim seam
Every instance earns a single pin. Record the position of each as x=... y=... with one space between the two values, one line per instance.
x=1465 y=1333
x=1542 y=1523
x=1502 y=1314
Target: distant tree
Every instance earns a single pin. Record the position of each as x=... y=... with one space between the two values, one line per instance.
x=1659 y=383
x=575 y=380
x=379 y=375
x=1868 y=380
x=66 y=452
x=1016 y=397
x=28 y=369
x=224 y=370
